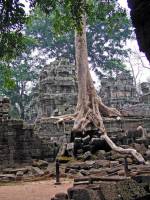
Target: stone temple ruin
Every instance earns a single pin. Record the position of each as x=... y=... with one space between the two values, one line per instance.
x=56 y=94
x=146 y=93
x=18 y=143
x=119 y=91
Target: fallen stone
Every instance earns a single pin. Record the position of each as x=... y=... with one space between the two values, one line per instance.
x=86 y=148
x=61 y=196
x=82 y=193
x=126 y=189
x=7 y=177
x=14 y=171
x=19 y=175
x=140 y=148
x=114 y=163
x=86 y=140
x=87 y=155
x=147 y=154
x=121 y=172
x=130 y=161
x=70 y=146
x=101 y=163
x=74 y=165
x=84 y=172
x=114 y=170
x=80 y=151
x=40 y=163
x=98 y=172
x=86 y=165
x=100 y=154
x=37 y=171
x=115 y=156
x=73 y=171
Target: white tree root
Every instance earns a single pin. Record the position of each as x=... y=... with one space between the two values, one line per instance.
x=84 y=116
x=89 y=106
x=65 y=118
x=120 y=150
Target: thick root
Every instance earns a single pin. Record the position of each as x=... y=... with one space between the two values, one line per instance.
x=120 y=150
x=92 y=114
x=64 y=118
x=107 y=111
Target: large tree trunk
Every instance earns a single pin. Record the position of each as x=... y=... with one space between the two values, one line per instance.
x=89 y=106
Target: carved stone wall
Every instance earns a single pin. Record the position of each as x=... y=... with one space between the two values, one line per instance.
x=142 y=109
x=145 y=87
x=57 y=89
x=57 y=95
x=18 y=143
x=56 y=92
x=4 y=108
x=117 y=92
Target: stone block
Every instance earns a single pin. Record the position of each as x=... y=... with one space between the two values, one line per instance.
x=37 y=171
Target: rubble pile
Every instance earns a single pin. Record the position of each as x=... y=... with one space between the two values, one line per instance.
x=91 y=142
x=112 y=189
x=96 y=157
x=38 y=169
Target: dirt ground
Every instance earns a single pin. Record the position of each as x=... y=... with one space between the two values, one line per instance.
x=41 y=190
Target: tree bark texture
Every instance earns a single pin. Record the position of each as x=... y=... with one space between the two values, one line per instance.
x=89 y=107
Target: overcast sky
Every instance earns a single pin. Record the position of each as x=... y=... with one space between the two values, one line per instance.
x=145 y=73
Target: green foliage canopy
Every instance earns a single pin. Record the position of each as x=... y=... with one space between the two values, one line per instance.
x=105 y=42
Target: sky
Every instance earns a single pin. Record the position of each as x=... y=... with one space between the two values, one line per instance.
x=123 y=3
x=144 y=74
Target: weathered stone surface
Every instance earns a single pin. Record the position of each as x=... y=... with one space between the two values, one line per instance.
x=61 y=196
x=40 y=163
x=15 y=170
x=100 y=154
x=56 y=94
x=7 y=177
x=139 y=110
x=37 y=171
x=125 y=190
x=83 y=193
x=145 y=87
x=18 y=143
x=19 y=176
x=4 y=108
x=119 y=91
x=57 y=88
x=87 y=155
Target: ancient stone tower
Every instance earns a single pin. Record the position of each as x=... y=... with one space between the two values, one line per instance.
x=57 y=89
x=56 y=92
x=119 y=91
